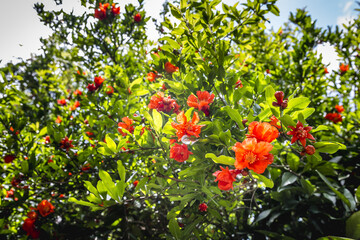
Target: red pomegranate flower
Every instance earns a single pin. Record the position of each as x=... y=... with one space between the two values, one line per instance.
x=77 y=92
x=126 y=124
x=9 y=158
x=110 y=90
x=300 y=133
x=238 y=84
x=137 y=17
x=66 y=143
x=58 y=119
x=203 y=207
x=340 y=109
x=253 y=155
x=187 y=128
x=262 y=131
x=274 y=122
x=325 y=70
x=225 y=178
x=91 y=87
x=334 y=117
x=163 y=104
x=29 y=228
x=101 y=12
x=61 y=102
x=202 y=102
x=115 y=10
x=151 y=76
x=344 y=68
x=47 y=139
x=135 y=183
x=45 y=208
x=98 y=81
x=180 y=153
x=169 y=68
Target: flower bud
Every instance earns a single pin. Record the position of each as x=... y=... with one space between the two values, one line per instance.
x=310 y=149
x=279 y=95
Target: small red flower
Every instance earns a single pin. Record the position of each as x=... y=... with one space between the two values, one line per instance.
x=12 y=129
x=9 y=158
x=45 y=208
x=115 y=10
x=91 y=87
x=253 y=155
x=164 y=88
x=185 y=127
x=101 y=12
x=274 y=122
x=29 y=228
x=98 y=81
x=137 y=17
x=89 y=133
x=10 y=193
x=76 y=105
x=334 y=117
x=61 y=102
x=225 y=178
x=203 y=207
x=135 y=183
x=238 y=84
x=66 y=143
x=310 y=149
x=202 y=102
x=344 y=68
x=325 y=70
x=77 y=92
x=300 y=133
x=267 y=71
x=163 y=104
x=340 y=109
x=86 y=167
x=47 y=139
x=110 y=90
x=262 y=131
x=58 y=119
x=180 y=153
x=151 y=76
x=32 y=215
x=126 y=124
x=169 y=68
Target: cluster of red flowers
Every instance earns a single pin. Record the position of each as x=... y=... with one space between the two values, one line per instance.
x=335 y=117
x=104 y=12
x=61 y=102
x=253 y=153
x=97 y=83
x=163 y=104
x=44 y=208
x=280 y=102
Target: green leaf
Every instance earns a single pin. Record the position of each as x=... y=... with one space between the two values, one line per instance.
x=221 y=159
x=353 y=226
x=80 y=202
x=235 y=116
x=269 y=95
x=108 y=183
x=141 y=183
x=171 y=42
x=43 y=131
x=274 y=10
x=297 y=103
x=158 y=121
x=121 y=170
x=174 y=228
x=339 y=194
x=268 y=182
x=357 y=194
x=175 y=11
x=293 y=160
x=307 y=186
x=91 y=188
x=326 y=147
x=320 y=128
x=287 y=179
x=110 y=143
x=287 y=121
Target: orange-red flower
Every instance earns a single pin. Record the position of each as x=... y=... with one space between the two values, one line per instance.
x=91 y=87
x=340 y=109
x=274 y=122
x=169 y=68
x=262 y=131
x=180 y=153
x=253 y=155
x=325 y=70
x=98 y=81
x=344 y=68
x=77 y=92
x=76 y=105
x=238 y=84
x=9 y=158
x=110 y=90
x=45 y=208
x=101 y=14
x=163 y=104
x=203 y=207
x=61 y=102
x=300 y=133
x=58 y=119
x=29 y=228
x=47 y=139
x=185 y=127
x=115 y=10
x=86 y=167
x=225 y=178
x=126 y=124
x=135 y=183
x=202 y=102
x=137 y=17
x=89 y=133
x=66 y=143
x=334 y=117
x=151 y=76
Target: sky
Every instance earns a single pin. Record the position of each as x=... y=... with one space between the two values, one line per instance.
x=21 y=32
